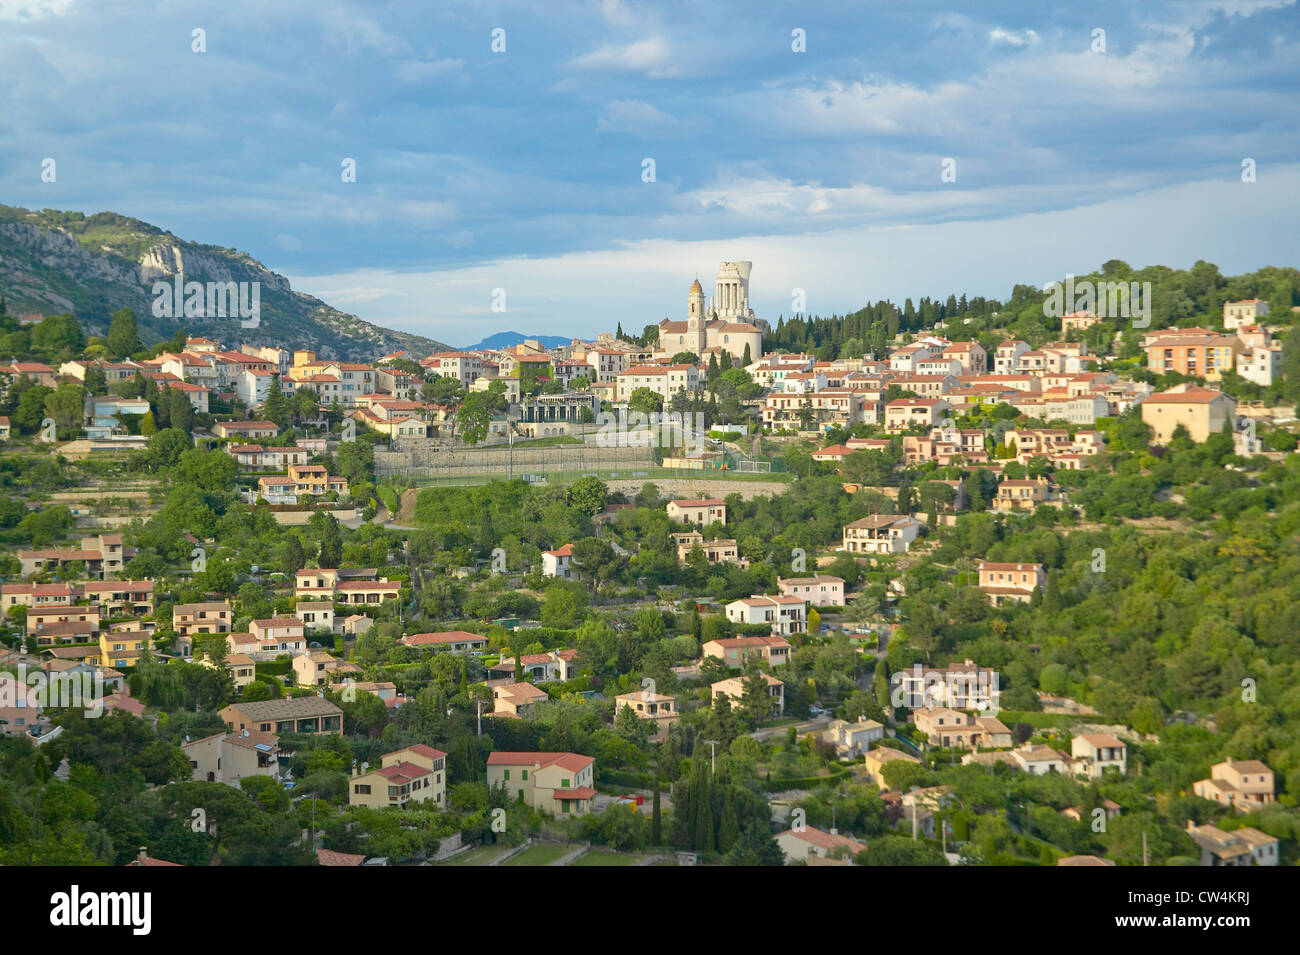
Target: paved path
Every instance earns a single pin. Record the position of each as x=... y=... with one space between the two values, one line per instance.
x=805 y=727
x=568 y=858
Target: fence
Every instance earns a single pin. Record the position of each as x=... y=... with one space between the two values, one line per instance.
x=444 y=464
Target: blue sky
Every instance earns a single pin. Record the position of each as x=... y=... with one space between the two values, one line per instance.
x=522 y=170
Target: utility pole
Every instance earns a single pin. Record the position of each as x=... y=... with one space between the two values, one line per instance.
x=713 y=762
x=479 y=705
x=1145 y=860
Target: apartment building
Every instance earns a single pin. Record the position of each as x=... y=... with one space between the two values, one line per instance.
x=663 y=380
x=102 y=555
x=211 y=617
x=123 y=648
x=904 y=413
x=303 y=715
x=1198 y=355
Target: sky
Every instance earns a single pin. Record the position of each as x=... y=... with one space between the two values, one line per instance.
x=1073 y=134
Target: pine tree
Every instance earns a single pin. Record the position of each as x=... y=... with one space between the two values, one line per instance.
x=702 y=803
x=728 y=824
x=656 y=816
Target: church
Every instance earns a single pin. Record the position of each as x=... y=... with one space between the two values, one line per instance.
x=725 y=324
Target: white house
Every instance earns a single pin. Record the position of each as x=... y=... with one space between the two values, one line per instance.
x=819 y=590
x=557 y=563
x=785 y=615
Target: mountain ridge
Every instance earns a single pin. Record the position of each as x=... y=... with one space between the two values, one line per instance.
x=91 y=266
x=506 y=339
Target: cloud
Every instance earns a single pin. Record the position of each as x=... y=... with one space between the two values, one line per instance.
x=652 y=56
x=1023 y=38
x=636 y=118
x=841 y=270
x=24 y=11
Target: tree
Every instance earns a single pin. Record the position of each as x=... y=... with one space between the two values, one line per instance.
x=292 y=557
x=331 y=543
x=355 y=461
x=645 y=401
x=588 y=495
x=123 y=338
x=630 y=726
x=755 y=846
x=66 y=405
x=96 y=381
x=277 y=407
x=476 y=410
x=166 y=447
x=594 y=560
x=755 y=702
x=560 y=608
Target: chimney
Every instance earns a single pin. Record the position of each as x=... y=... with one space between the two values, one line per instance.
x=143 y=855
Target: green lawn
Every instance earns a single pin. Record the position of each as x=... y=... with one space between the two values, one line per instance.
x=605 y=857
x=643 y=472
x=539 y=855
x=481 y=855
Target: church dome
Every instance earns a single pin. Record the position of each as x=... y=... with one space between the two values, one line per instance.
x=696 y=287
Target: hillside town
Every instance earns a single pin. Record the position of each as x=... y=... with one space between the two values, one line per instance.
x=959 y=584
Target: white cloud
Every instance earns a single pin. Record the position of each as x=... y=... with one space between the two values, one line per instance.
x=24 y=11
x=841 y=269
x=1025 y=38
x=652 y=56
x=635 y=117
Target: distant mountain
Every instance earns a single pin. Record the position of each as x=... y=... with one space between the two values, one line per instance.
x=53 y=262
x=507 y=339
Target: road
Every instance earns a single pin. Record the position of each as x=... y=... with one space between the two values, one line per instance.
x=807 y=726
